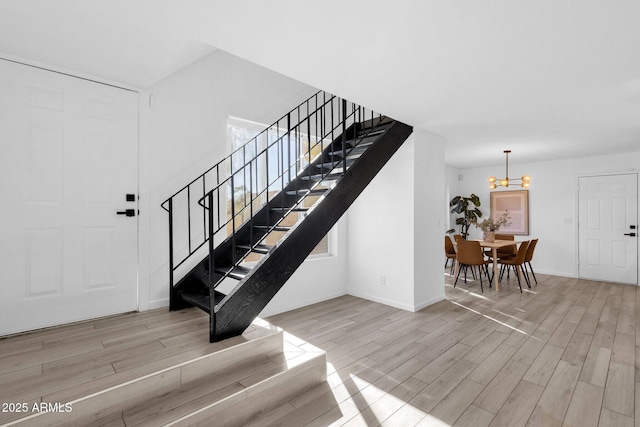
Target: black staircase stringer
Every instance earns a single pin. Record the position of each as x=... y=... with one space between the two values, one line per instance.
x=244 y=303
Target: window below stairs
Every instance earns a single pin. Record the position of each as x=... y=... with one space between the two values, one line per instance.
x=270 y=163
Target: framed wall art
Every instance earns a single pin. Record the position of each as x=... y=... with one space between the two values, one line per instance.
x=517 y=204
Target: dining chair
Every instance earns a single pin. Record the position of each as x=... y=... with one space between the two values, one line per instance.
x=470 y=255
x=457 y=238
x=528 y=257
x=449 y=252
x=516 y=263
x=507 y=250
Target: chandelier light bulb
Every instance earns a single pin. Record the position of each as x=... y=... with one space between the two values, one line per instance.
x=525 y=180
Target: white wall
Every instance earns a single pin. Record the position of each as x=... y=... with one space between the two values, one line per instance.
x=429 y=218
x=552 y=202
x=395 y=229
x=381 y=237
x=185 y=133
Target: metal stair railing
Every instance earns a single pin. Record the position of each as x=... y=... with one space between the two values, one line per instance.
x=242 y=183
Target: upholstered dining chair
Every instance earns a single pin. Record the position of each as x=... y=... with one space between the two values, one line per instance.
x=507 y=250
x=516 y=263
x=449 y=252
x=528 y=257
x=470 y=255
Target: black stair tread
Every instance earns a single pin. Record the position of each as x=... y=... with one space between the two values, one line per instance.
x=359 y=149
x=336 y=162
x=305 y=192
x=236 y=272
x=289 y=209
x=276 y=228
x=261 y=249
x=371 y=133
x=317 y=177
x=201 y=299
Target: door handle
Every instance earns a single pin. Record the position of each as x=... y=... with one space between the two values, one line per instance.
x=630 y=234
x=128 y=212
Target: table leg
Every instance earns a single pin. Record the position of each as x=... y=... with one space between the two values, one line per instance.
x=494 y=254
x=456 y=268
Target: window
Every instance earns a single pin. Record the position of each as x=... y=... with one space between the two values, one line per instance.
x=273 y=166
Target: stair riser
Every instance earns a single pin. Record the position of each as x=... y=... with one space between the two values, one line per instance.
x=256 y=400
x=124 y=396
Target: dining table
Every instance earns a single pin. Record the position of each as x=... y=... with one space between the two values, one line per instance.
x=494 y=246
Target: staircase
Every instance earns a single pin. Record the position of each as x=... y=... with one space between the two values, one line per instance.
x=273 y=200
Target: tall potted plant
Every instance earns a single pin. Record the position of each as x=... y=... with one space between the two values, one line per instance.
x=468 y=208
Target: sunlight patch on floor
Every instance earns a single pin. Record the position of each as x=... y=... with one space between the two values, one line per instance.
x=382 y=405
x=489 y=317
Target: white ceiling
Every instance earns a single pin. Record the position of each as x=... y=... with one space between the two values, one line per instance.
x=545 y=78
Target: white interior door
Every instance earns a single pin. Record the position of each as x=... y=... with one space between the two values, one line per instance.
x=68 y=157
x=608 y=221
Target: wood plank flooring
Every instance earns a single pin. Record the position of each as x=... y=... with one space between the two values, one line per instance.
x=563 y=353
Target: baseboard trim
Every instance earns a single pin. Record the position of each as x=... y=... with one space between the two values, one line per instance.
x=158 y=303
x=429 y=302
x=384 y=301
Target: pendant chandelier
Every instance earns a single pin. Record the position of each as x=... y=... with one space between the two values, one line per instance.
x=525 y=180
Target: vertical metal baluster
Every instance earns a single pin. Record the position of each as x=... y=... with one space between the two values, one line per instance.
x=233 y=219
x=344 y=135
x=218 y=197
x=268 y=180
x=212 y=276
x=204 y=214
x=251 y=200
x=331 y=155
x=289 y=146
x=172 y=296
x=308 y=143
x=281 y=170
x=322 y=119
x=189 y=217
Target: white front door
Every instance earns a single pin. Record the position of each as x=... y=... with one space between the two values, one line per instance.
x=608 y=220
x=68 y=157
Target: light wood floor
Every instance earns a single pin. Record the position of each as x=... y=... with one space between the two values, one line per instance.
x=563 y=352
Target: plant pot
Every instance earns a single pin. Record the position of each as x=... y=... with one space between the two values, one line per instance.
x=489 y=236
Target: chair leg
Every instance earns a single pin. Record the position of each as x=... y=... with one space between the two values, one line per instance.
x=534 y=274
x=526 y=275
x=517 y=273
x=480 y=275
x=501 y=272
x=457 y=275
x=490 y=277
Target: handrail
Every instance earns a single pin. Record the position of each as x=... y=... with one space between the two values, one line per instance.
x=242 y=147
x=291 y=146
